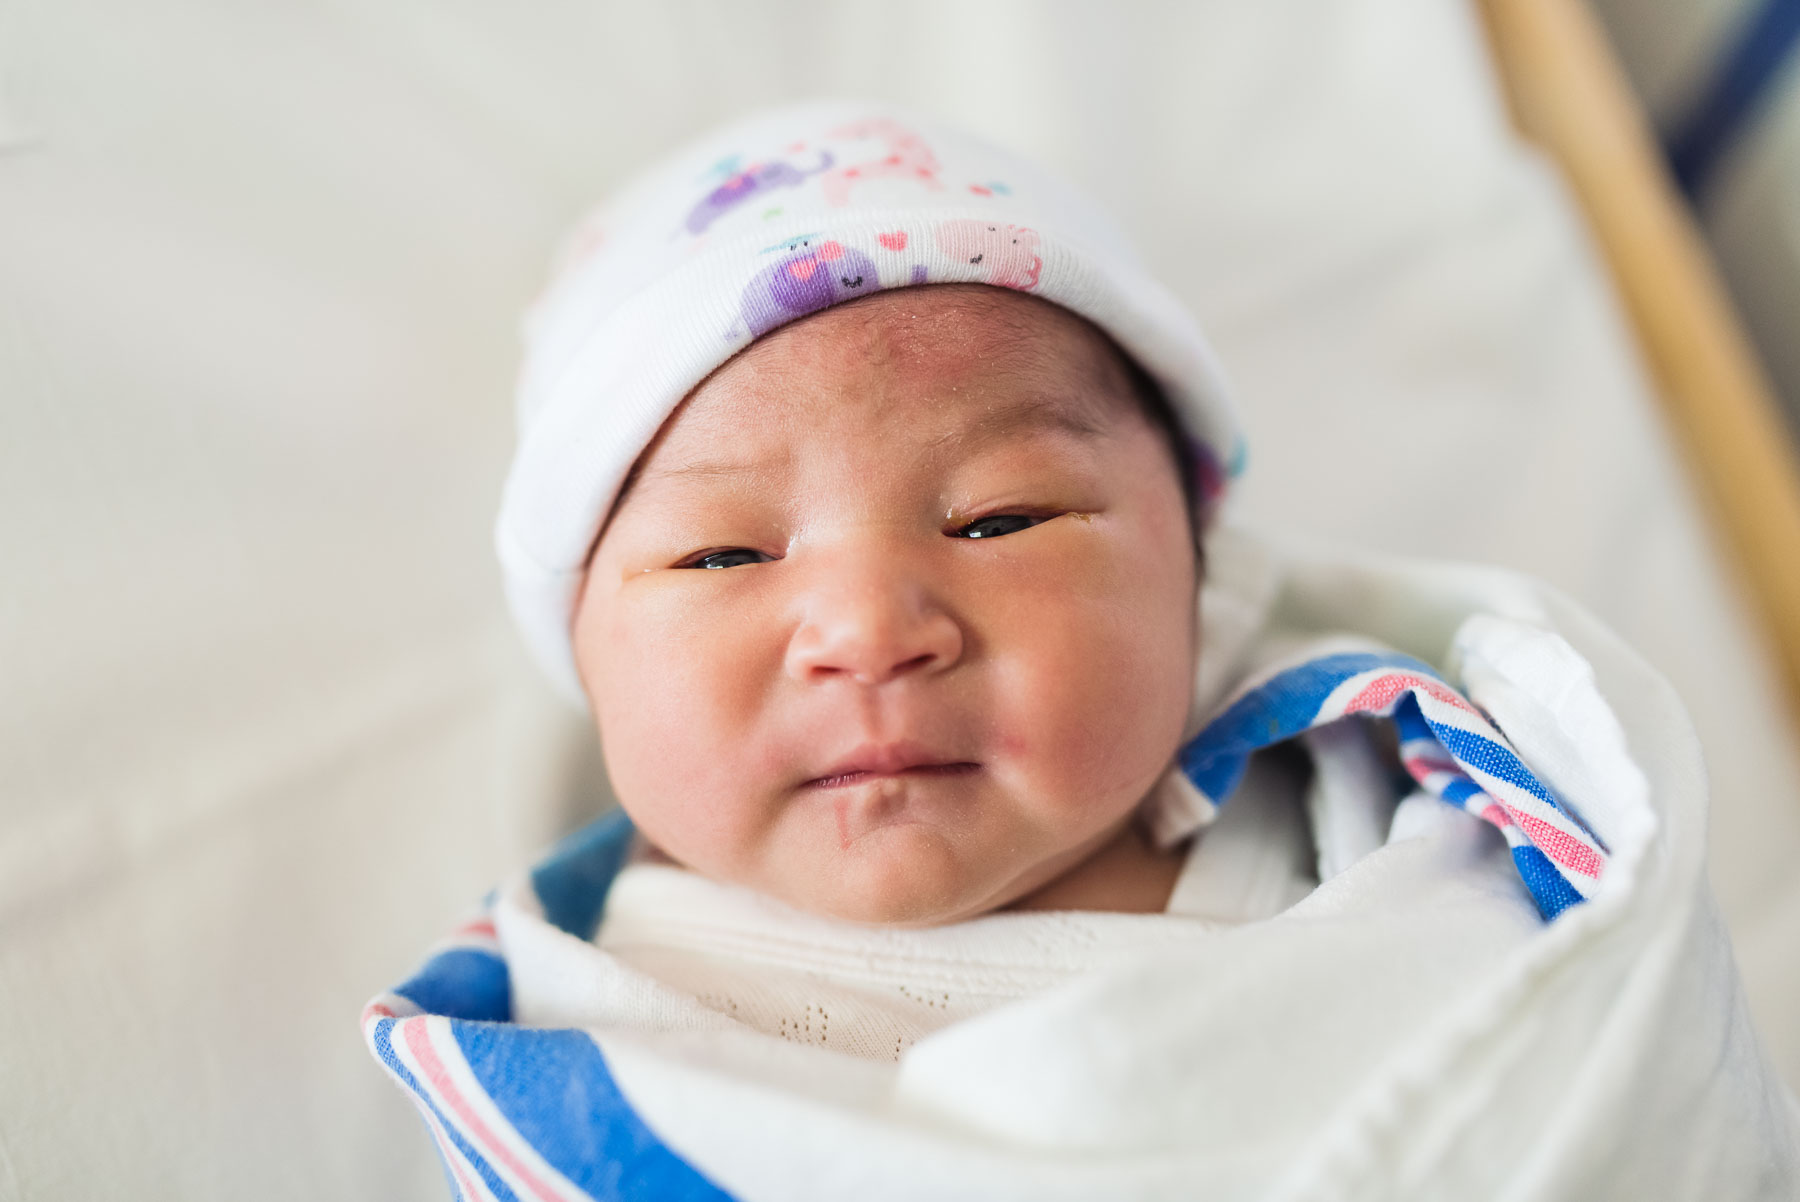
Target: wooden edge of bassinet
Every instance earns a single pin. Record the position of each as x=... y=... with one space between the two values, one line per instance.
x=1568 y=94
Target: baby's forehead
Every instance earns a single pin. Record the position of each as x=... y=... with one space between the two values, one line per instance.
x=958 y=324
x=963 y=347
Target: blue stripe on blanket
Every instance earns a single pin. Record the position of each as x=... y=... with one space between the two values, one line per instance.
x=553 y=1086
x=463 y=982
x=572 y=883
x=1280 y=709
x=1459 y=791
x=1294 y=700
x=1552 y=893
x=1474 y=750
x=1500 y=761
x=384 y=1047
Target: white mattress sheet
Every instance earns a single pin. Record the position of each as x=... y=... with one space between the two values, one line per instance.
x=264 y=730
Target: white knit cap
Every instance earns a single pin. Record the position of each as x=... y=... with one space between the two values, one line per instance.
x=767 y=220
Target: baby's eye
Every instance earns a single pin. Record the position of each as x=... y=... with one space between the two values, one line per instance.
x=997 y=524
x=733 y=558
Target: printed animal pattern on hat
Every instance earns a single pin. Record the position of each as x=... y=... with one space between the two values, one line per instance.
x=1007 y=254
x=904 y=155
x=812 y=276
x=815 y=272
x=758 y=179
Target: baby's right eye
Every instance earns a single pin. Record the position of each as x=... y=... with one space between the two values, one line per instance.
x=999 y=524
x=732 y=558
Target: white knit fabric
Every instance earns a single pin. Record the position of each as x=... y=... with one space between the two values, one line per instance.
x=873 y=992
x=868 y=991
x=761 y=223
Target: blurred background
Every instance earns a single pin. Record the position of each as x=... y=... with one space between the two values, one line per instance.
x=1720 y=81
x=265 y=731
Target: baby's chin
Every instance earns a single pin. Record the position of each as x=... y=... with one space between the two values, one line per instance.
x=909 y=875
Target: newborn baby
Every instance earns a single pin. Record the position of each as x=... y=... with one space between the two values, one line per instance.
x=861 y=490
x=861 y=497
x=895 y=619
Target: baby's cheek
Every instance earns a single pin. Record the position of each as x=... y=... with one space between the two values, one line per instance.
x=678 y=718
x=1096 y=729
x=1097 y=669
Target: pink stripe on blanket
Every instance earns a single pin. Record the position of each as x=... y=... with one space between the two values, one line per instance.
x=1560 y=846
x=418 y=1041
x=1379 y=694
x=453 y=1156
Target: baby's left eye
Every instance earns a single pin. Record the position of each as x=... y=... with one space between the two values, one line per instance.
x=998 y=524
x=734 y=558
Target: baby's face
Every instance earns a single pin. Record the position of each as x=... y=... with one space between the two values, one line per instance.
x=897 y=620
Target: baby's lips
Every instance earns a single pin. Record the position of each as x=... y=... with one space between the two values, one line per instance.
x=887 y=759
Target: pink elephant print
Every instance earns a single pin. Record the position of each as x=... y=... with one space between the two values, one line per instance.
x=1006 y=253
x=904 y=155
x=757 y=179
x=814 y=275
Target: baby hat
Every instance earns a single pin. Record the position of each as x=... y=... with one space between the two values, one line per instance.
x=767 y=220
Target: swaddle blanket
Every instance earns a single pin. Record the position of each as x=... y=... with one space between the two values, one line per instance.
x=1413 y=1029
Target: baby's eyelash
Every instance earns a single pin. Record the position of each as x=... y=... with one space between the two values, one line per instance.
x=700 y=561
x=975 y=529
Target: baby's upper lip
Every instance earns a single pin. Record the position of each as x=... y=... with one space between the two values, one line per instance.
x=883 y=758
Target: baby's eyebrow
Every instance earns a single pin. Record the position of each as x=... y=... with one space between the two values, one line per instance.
x=708 y=469
x=643 y=478
x=1065 y=415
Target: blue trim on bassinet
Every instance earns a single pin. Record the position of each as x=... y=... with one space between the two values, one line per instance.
x=1742 y=81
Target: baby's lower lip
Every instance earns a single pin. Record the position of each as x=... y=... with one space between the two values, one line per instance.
x=857 y=778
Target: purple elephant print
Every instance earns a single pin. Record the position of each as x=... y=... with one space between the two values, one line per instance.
x=758 y=179
x=814 y=275
x=1007 y=254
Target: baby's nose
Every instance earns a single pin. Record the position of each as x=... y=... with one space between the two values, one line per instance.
x=872 y=626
